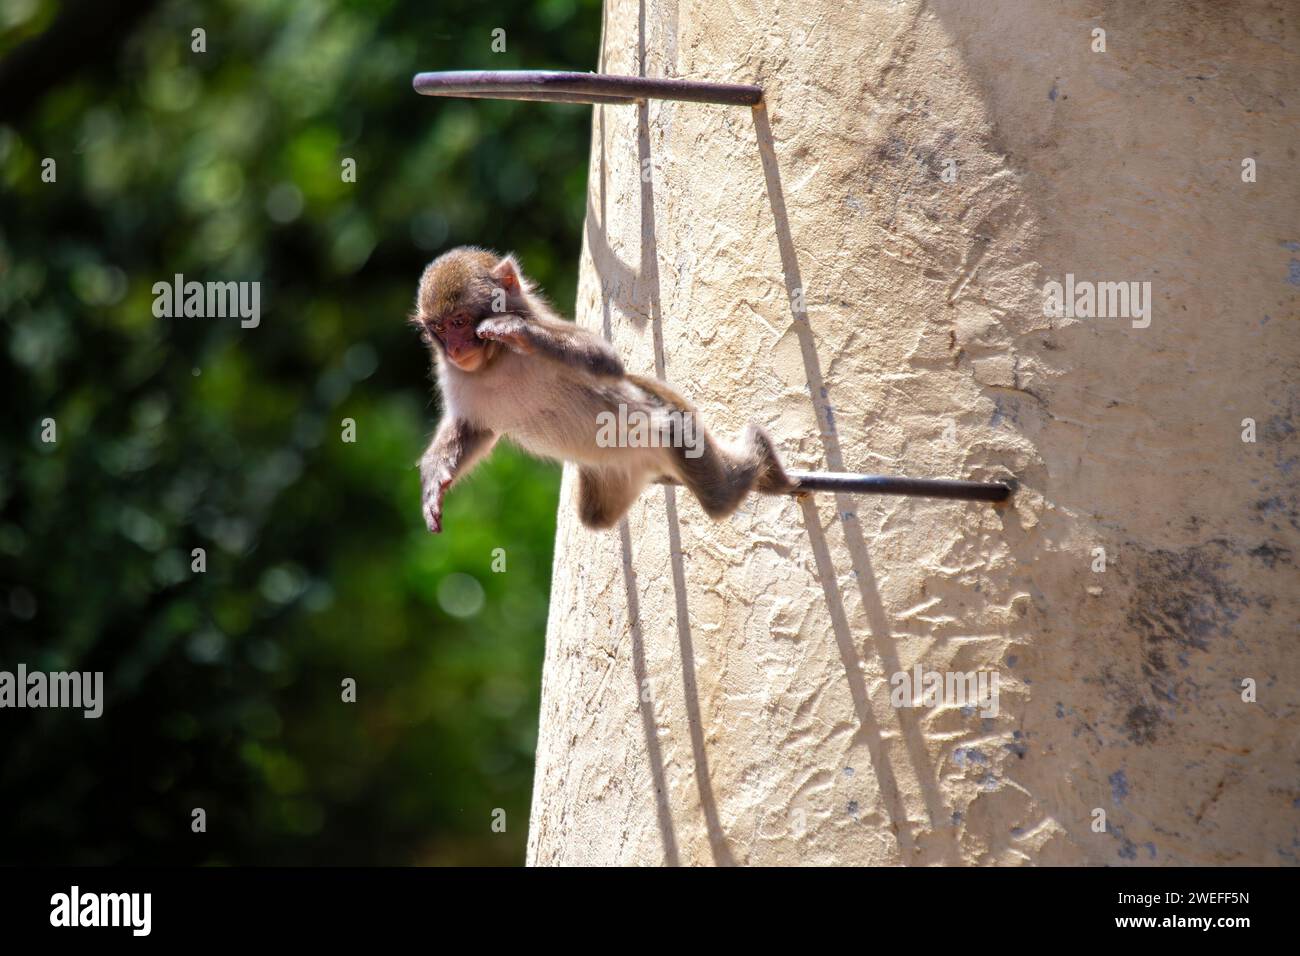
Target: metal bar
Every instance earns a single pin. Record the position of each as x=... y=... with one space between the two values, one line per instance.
x=851 y=484
x=564 y=87
x=884 y=485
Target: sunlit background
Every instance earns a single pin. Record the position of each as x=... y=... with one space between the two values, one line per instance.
x=223 y=689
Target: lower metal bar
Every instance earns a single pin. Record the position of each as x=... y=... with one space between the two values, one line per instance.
x=884 y=485
x=848 y=483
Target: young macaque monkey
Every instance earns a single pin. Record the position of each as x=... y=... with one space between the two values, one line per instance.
x=508 y=365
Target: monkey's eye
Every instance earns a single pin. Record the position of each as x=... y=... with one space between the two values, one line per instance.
x=460 y=320
x=437 y=327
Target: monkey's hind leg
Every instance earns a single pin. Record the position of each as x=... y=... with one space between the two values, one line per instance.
x=604 y=495
x=720 y=477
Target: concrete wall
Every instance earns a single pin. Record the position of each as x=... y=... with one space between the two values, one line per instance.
x=720 y=693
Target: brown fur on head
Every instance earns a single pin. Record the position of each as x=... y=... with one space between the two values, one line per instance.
x=460 y=289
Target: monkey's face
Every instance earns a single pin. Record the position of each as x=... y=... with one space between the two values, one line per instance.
x=454 y=334
x=459 y=290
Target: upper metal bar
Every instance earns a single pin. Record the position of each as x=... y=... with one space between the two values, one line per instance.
x=563 y=87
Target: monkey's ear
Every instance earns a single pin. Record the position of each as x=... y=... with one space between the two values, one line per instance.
x=507 y=273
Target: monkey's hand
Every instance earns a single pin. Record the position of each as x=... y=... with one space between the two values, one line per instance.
x=511 y=331
x=434 y=491
x=452 y=453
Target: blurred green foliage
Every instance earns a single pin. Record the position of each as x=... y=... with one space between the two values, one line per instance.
x=224 y=689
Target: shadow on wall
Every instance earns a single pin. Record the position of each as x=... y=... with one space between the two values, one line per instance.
x=637 y=292
x=869 y=731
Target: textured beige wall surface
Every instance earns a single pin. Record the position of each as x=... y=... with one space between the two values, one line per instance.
x=719 y=693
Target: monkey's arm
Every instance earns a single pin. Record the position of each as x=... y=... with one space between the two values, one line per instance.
x=558 y=341
x=456 y=447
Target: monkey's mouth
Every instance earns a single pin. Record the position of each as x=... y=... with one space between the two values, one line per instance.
x=467 y=361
